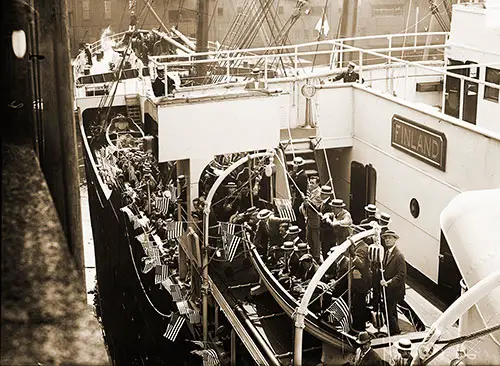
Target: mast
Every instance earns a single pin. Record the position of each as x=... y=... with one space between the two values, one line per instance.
x=202 y=37
x=348 y=23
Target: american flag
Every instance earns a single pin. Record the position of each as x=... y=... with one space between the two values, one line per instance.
x=338 y=312
x=152 y=260
x=175 y=291
x=161 y=273
x=226 y=227
x=174 y=229
x=285 y=210
x=174 y=327
x=230 y=246
x=210 y=356
x=183 y=307
x=144 y=240
x=167 y=283
x=194 y=316
x=162 y=204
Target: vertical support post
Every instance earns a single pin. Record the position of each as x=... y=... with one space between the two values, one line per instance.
x=443 y=99
x=250 y=186
x=228 y=67
x=295 y=61
x=391 y=69
x=216 y=317
x=461 y=104
x=416 y=27
x=233 y=347
x=341 y=61
x=360 y=67
x=265 y=71
x=406 y=82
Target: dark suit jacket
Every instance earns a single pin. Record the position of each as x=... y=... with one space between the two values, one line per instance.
x=300 y=179
x=371 y=359
x=348 y=77
x=361 y=264
x=395 y=274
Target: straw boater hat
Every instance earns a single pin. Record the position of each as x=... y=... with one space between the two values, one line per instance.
x=390 y=234
x=351 y=64
x=264 y=214
x=371 y=208
x=326 y=190
x=294 y=229
x=302 y=246
x=385 y=218
x=230 y=185
x=363 y=337
x=298 y=161
x=251 y=210
x=288 y=245
x=337 y=202
x=404 y=344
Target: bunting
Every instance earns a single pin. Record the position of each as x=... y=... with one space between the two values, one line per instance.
x=152 y=260
x=174 y=327
x=175 y=291
x=285 y=210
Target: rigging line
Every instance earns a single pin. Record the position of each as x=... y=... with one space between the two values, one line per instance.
x=330 y=178
x=320 y=32
x=421 y=20
x=407 y=21
x=462 y=339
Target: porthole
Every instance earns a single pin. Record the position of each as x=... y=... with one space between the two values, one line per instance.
x=414 y=207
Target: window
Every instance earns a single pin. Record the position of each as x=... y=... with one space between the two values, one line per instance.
x=492 y=76
x=86 y=9
x=107 y=9
x=220 y=12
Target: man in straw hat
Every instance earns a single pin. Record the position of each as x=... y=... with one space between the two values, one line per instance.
x=326 y=231
x=298 y=188
x=310 y=209
x=394 y=280
x=370 y=211
x=267 y=230
x=340 y=219
x=293 y=263
x=404 y=357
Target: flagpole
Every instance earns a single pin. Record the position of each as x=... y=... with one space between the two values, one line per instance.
x=206 y=214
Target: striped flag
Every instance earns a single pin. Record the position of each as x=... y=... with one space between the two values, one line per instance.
x=210 y=356
x=152 y=260
x=161 y=274
x=175 y=291
x=194 y=316
x=338 y=312
x=174 y=327
x=183 y=307
x=174 y=229
x=226 y=227
x=144 y=240
x=230 y=246
x=162 y=204
x=167 y=283
x=285 y=210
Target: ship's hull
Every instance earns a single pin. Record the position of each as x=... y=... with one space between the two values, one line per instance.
x=131 y=307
